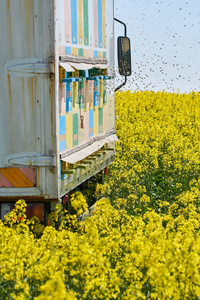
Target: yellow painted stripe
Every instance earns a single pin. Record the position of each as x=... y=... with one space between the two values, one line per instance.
x=16 y=177
x=75 y=51
x=69 y=131
x=75 y=97
x=104 y=23
x=91 y=94
x=96 y=121
x=100 y=92
x=80 y=22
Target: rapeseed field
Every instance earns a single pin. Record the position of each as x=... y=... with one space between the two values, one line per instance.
x=142 y=240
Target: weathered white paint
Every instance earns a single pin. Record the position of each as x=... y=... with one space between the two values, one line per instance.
x=27 y=114
x=29 y=88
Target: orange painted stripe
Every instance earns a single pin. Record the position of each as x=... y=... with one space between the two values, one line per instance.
x=62 y=137
x=4 y=182
x=16 y=177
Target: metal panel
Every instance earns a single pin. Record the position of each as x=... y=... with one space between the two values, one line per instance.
x=33 y=32
x=27 y=117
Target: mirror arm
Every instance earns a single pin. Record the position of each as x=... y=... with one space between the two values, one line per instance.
x=122 y=24
x=121 y=85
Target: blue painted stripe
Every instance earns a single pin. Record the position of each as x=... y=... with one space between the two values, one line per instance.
x=62 y=125
x=62 y=130
x=62 y=145
x=74 y=23
x=91 y=123
x=71 y=80
x=96 y=92
x=96 y=53
x=68 y=96
x=68 y=50
x=100 y=24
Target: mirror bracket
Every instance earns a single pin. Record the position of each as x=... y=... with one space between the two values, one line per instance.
x=125 y=33
x=117 y=20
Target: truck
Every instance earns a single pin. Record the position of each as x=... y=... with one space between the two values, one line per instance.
x=57 y=110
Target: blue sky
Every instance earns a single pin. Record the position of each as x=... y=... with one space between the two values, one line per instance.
x=165 y=42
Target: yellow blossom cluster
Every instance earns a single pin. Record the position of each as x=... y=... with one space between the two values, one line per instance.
x=142 y=239
x=78 y=203
x=111 y=255
x=158 y=150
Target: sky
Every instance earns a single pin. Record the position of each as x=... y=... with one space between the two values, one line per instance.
x=165 y=44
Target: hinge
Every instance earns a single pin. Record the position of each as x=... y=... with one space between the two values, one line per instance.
x=30 y=68
x=34 y=161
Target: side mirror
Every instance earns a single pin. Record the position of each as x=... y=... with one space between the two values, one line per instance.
x=124 y=55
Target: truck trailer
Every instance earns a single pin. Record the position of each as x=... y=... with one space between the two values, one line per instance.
x=57 y=110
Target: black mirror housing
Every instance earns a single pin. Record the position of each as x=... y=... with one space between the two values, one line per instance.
x=124 y=55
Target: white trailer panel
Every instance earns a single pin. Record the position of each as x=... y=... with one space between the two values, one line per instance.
x=48 y=112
